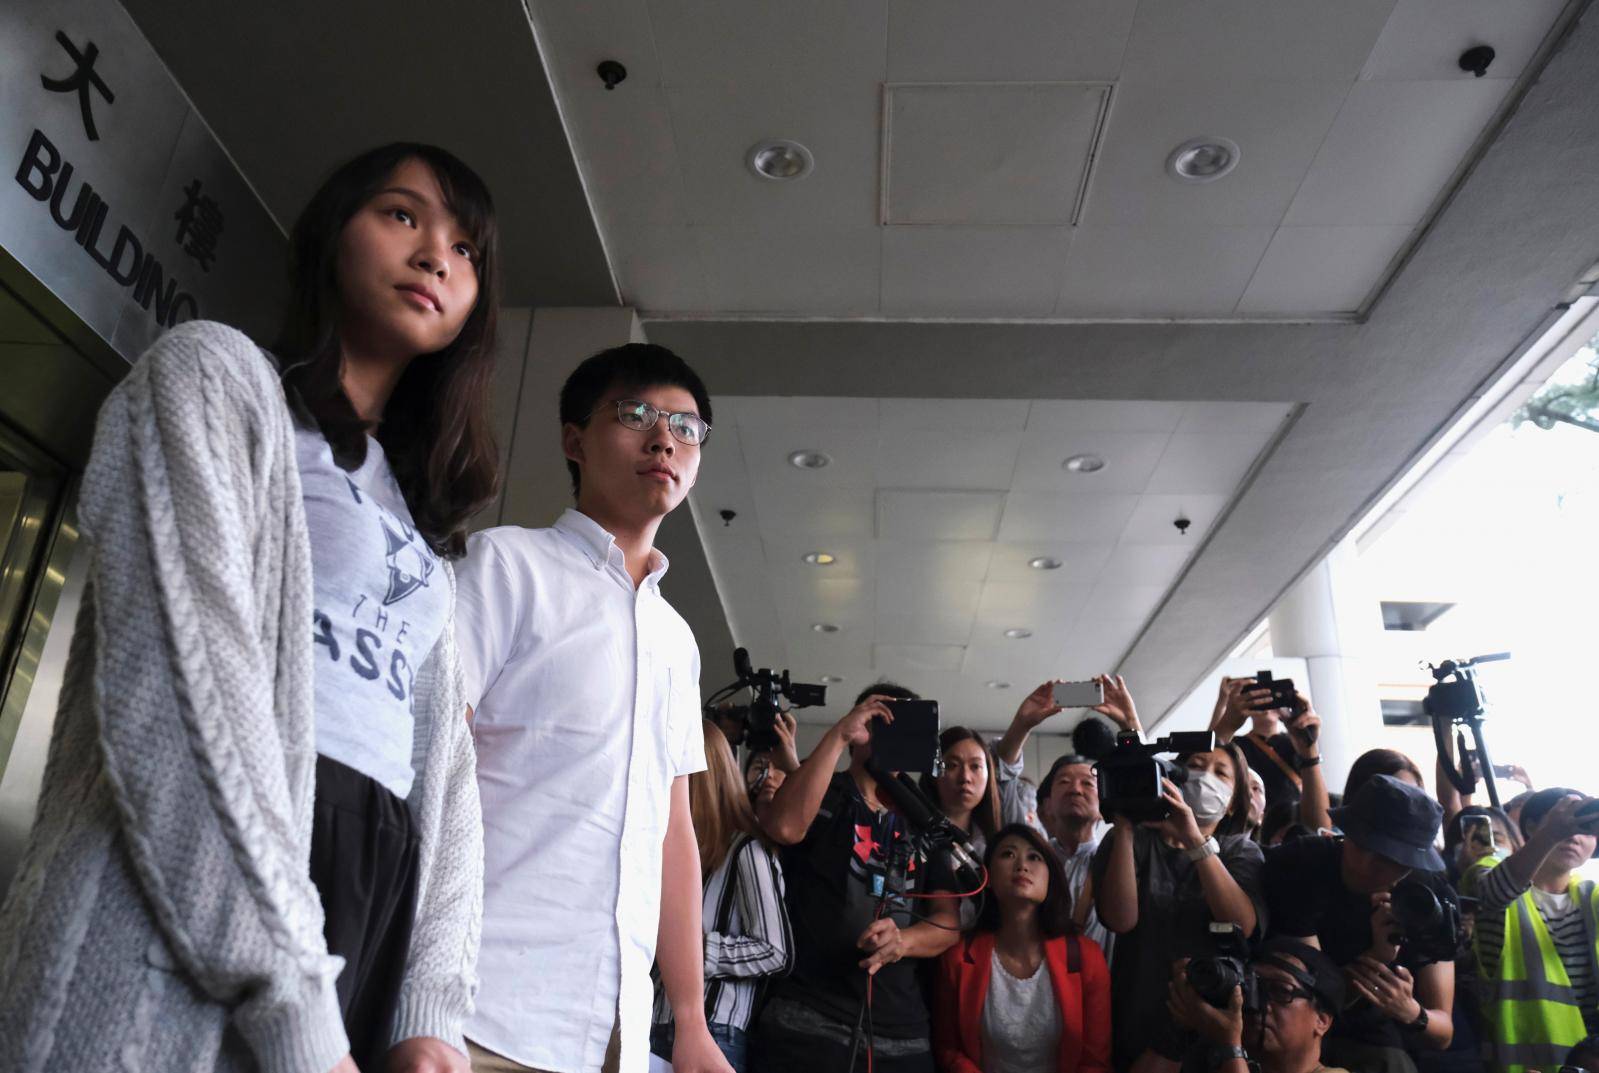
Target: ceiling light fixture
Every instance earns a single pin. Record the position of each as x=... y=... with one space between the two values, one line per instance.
x=780 y=159
x=820 y=558
x=1083 y=464
x=824 y=627
x=809 y=459
x=1045 y=562
x=1203 y=160
x=1018 y=633
x=993 y=684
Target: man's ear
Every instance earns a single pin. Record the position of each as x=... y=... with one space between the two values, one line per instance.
x=572 y=442
x=1324 y=1022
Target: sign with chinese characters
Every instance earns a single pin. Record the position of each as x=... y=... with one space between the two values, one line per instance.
x=113 y=192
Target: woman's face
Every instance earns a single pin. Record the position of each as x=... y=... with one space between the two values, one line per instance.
x=407 y=270
x=1217 y=762
x=762 y=780
x=965 y=777
x=1019 y=874
x=1257 y=798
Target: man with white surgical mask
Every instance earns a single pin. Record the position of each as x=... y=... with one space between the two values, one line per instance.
x=1160 y=885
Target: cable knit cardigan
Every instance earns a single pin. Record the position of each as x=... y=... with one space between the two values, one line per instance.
x=163 y=917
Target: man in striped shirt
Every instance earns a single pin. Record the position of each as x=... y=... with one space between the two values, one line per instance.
x=1535 y=935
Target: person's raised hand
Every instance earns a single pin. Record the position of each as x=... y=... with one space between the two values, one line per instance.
x=1038 y=706
x=695 y=1051
x=1118 y=706
x=883 y=944
x=1221 y=1028
x=1179 y=824
x=785 y=757
x=425 y=1054
x=1384 y=949
x=855 y=728
x=1562 y=822
x=1517 y=773
x=1391 y=990
x=1304 y=730
x=1236 y=703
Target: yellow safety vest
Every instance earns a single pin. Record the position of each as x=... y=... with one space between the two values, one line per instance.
x=1529 y=1006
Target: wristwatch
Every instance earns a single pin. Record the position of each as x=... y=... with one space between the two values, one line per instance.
x=1220 y=1056
x=1420 y=1023
x=1208 y=848
x=1302 y=762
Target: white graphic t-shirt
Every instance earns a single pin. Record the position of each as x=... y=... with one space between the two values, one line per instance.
x=380 y=604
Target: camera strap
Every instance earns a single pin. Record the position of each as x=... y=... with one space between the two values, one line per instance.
x=1264 y=744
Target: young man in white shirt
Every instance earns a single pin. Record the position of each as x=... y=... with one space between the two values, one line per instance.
x=584 y=693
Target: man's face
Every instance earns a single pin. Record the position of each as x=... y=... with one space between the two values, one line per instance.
x=628 y=474
x=1290 y=1021
x=1074 y=795
x=1366 y=872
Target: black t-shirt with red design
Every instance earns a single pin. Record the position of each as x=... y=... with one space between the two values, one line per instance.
x=832 y=878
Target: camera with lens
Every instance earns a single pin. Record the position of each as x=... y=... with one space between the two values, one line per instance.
x=772 y=691
x=1455 y=699
x=1130 y=774
x=1214 y=975
x=1425 y=924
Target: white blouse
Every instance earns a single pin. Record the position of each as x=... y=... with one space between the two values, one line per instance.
x=1021 y=1022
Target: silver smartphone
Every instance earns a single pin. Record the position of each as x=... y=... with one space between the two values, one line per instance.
x=1088 y=694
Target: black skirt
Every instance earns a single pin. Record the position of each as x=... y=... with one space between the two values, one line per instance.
x=364 y=858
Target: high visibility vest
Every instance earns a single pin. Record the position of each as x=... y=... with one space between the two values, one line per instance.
x=1530 y=1008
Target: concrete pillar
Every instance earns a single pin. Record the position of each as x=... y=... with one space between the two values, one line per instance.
x=1329 y=621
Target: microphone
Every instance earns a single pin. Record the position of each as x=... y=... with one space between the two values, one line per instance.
x=924 y=816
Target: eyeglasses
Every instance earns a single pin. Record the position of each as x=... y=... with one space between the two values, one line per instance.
x=1282 y=994
x=636 y=414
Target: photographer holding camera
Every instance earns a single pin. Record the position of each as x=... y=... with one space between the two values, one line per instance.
x=1343 y=896
x=856 y=936
x=1535 y=932
x=1295 y=991
x=1160 y=884
x=1282 y=744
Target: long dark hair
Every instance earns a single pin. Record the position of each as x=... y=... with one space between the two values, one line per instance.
x=435 y=429
x=985 y=815
x=1055 y=914
x=1236 y=822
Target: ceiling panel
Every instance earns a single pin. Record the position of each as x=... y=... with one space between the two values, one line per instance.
x=1130 y=458
x=1246 y=40
x=973 y=271
x=790 y=412
x=1391 y=149
x=1153 y=519
x=905 y=515
x=825 y=599
x=1218 y=416
x=1104 y=415
x=824 y=511
x=852 y=449
x=1122 y=603
x=854 y=556
x=1187 y=269
x=1307 y=268
x=1205 y=462
x=1007 y=40
x=994 y=153
x=935 y=457
x=1424 y=38
x=766 y=270
x=1071 y=519
x=988 y=415
x=1140 y=564
x=903 y=569
x=1277 y=126
x=733 y=43
x=893 y=659
x=923 y=628
x=1079 y=562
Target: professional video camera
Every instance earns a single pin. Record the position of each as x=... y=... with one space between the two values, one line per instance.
x=1425 y=923
x=1457 y=701
x=1130 y=774
x=770 y=690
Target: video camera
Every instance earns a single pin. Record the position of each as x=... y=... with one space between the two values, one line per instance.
x=770 y=690
x=1130 y=774
x=1456 y=700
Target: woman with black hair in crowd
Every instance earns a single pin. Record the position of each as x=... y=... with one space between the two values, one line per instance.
x=966 y=791
x=259 y=843
x=1023 y=992
x=1159 y=885
x=747 y=937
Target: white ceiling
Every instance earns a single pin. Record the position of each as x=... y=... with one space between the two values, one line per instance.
x=933 y=508
x=969 y=126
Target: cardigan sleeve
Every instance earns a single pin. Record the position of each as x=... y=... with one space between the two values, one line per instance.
x=200 y=582
x=440 y=979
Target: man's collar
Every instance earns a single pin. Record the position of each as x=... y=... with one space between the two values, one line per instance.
x=600 y=546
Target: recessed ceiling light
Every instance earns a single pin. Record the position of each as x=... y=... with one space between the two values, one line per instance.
x=1083 y=464
x=1203 y=160
x=824 y=627
x=830 y=679
x=1045 y=562
x=1018 y=633
x=779 y=158
x=808 y=459
x=997 y=685
x=820 y=558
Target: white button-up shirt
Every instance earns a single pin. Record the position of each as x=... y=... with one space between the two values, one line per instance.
x=586 y=700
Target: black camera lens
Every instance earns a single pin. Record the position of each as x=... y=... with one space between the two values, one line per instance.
x=1215 y=978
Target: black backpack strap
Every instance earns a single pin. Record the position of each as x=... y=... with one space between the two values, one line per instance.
x=1074 y=954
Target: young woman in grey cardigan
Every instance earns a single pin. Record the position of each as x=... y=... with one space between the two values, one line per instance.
x=259 y=845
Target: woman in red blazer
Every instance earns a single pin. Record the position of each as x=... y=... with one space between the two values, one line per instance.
x=1022 y=992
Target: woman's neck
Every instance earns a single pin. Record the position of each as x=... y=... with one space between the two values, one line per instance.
x=1267 y=724
x=369 y=379
x=1552 y=880
x=1019 y=934
x=961 y=818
